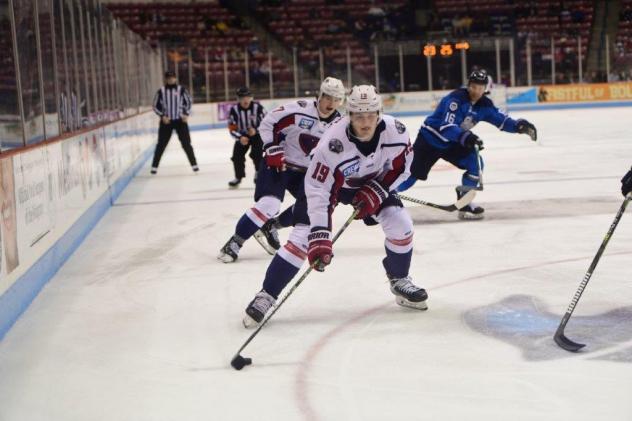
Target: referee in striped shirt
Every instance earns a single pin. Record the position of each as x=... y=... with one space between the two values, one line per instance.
x=173 y=103
x=243 y=122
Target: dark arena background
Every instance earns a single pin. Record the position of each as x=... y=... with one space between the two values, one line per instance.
x=114 y=305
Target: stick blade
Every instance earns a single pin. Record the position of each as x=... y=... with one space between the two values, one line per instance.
x=566 y=343
x=466 y=199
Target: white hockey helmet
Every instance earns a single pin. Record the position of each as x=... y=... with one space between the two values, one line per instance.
x=332 y=87
x=364 y=99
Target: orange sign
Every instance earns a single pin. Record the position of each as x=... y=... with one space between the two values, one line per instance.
x=586 y=92
x=430 y=50
x=446 y=50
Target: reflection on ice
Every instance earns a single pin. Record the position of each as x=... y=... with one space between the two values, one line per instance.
x=523 y=321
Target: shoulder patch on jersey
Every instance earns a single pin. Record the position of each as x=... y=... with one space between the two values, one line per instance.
x=400 y=127
x=302 y=103
x=453 y=106
x=335 y=145
x=306 y=123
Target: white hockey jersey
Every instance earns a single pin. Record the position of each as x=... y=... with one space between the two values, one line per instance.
x=338 y=164
x=298 y=127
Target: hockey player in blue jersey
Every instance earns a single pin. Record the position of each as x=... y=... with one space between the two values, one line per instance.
x=447 y=134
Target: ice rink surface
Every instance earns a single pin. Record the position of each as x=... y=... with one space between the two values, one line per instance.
x=142 y=321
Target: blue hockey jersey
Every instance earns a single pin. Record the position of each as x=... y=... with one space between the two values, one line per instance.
x=456 y=115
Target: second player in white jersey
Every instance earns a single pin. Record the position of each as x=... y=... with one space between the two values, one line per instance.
x=294 y=129
x=289 y=134
x=360 y=160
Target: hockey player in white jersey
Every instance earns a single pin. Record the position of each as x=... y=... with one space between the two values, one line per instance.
x=289 y=134
x=360 y=160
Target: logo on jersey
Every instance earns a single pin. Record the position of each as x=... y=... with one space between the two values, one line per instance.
x=335 y=145
x=302 y=103
x=306 y=123
x=453 y=106
x=468 y=123
x=351 y=169
x=400 y=127
x=307 y=142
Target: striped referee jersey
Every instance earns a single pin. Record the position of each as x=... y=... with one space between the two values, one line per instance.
x=240 y=119
x=173 y=102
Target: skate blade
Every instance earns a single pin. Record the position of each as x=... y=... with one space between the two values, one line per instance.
x=225 y=258
x=249 y=322
x=261 y=239
x=466 y=216
x=421 y=305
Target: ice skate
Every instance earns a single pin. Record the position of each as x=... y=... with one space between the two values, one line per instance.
x=408 y=294
x=257 y=309
x=268 y=236
x=230 y=251
x=234 y=183
x=153 y=170
x=470 y=212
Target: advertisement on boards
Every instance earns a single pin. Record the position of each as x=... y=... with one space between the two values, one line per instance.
x=588 y=92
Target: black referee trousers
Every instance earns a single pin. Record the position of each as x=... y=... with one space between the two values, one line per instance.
x=164 y=134
x=239 y=155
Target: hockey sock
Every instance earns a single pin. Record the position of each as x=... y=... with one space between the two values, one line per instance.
x=286 y=218
x=470 y=180
x=279 y=274
x=397 y=265
x=245 y=227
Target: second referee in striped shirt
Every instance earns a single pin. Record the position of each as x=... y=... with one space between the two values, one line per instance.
x=243 y=123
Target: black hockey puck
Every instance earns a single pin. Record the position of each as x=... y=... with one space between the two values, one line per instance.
x=240 y=362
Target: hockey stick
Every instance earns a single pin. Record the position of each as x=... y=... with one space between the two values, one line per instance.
x=238 y=362
x=465 y=200
x=559 y=337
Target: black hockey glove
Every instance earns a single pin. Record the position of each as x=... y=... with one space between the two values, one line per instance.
x=469 y=140
x=523 y=126
x=626 y=183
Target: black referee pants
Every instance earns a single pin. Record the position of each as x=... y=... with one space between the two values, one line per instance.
x=164 y=134
x=239 y=155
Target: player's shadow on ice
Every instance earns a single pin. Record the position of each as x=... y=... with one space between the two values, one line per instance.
x=520 y=320
x=515 y=210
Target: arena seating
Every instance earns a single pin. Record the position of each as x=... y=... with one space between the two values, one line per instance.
x=624 y=35
x=203 y=26
x=333 y=26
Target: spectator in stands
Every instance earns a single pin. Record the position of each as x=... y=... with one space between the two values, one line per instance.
x=456 y=26
x=222 y=27
x=254 y=48
x=376 y=11
x=256 y=74
x=333 y=27
x=578 y=16
x=265 y=68
x=361 y=29
x=466 y=24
